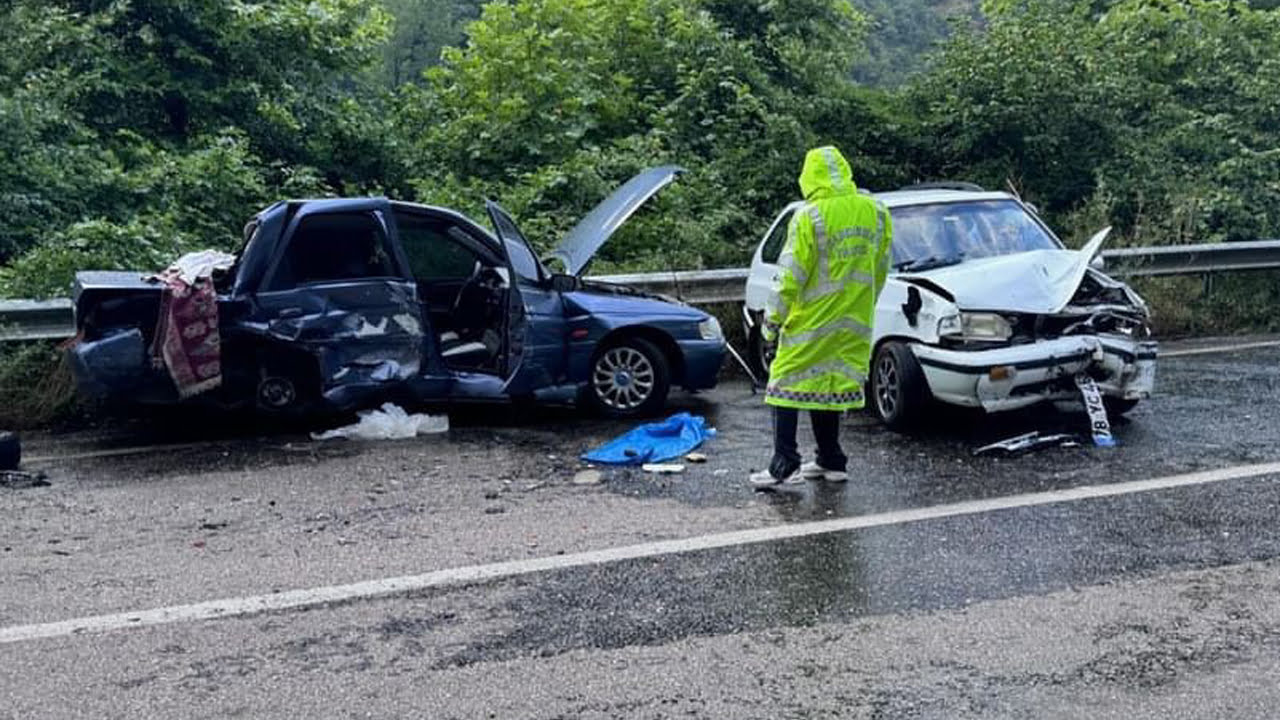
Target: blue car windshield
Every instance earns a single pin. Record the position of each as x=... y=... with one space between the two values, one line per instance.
x=949 y=233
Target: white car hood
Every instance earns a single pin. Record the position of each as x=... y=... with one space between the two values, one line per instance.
x=1038 y=282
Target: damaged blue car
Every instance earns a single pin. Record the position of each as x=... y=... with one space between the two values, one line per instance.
x=344 y=303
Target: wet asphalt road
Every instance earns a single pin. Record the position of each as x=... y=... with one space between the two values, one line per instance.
x=1155 y=604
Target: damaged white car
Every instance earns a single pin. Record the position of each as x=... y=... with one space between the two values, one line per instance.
x=985 y=308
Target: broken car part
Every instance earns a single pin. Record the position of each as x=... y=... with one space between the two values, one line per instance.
x=19 y=480
x=10 y=451
x=662 y=468
x=1027 y=443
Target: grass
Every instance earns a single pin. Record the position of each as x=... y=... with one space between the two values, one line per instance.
x=36 y=386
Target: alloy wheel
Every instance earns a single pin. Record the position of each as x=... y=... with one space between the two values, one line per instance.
x=623 y=378
x=888 y=385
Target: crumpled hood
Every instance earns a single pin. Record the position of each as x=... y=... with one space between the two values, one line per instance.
x=1040 y=282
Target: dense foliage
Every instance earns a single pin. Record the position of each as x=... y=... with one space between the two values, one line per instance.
x=131 y=130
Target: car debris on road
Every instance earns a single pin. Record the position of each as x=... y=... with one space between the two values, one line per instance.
x=662 y=468
x=21 y=480
x=1026 y=443
x=10 y=451
x=588 y=477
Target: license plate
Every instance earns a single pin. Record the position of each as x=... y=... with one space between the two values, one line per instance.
x=1099 y=424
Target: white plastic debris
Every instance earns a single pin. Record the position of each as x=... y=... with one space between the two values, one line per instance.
x=389 y=422
x=663 y=468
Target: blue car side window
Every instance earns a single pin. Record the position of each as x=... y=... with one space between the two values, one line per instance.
x=334 y=247
x=773 y=244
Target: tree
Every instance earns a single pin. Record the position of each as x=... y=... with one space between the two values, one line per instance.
x=553 y=102
x=133 y=129
x=423 y=29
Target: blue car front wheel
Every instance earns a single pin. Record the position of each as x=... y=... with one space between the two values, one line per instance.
x=629 y=378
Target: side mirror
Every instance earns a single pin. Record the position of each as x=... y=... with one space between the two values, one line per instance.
x=565 y=283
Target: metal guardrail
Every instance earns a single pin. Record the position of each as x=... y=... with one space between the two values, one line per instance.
x=1193 y=259
x=52 y=319
x=696 y=287
x=36 y=319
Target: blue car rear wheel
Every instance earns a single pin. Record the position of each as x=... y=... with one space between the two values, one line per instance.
x=629 y=378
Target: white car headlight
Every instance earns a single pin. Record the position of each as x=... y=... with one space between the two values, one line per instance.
x=950 y=325
x=976 y=326
x=710 y=329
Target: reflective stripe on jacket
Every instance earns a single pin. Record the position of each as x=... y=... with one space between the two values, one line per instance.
x=834 y=265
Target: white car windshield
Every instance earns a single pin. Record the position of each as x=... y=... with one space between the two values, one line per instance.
x=927 y=236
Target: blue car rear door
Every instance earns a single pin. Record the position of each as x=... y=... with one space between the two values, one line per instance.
x=337 y=295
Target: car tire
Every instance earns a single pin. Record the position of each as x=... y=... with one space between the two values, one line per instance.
x=761 y=353
x=629 y=378
x=1118 y=407
x=10 y=451
x=284 y=388
x=899 y=391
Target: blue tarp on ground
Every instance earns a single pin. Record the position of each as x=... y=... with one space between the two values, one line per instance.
x=655 y=442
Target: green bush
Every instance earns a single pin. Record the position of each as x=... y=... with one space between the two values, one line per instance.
x=36 y=386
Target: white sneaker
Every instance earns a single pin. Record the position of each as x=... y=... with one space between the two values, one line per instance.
x=814 y=471
x=765 y=479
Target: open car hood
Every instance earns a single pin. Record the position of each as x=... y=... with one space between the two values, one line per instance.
x=586 y=238
x=1040 y=282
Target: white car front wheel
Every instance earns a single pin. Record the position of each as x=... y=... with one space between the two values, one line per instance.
x=899 y=392
x=761 y=351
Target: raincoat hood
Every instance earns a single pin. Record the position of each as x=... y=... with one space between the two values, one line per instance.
x=826 y=174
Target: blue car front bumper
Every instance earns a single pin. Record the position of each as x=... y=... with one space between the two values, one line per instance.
x=702 y=362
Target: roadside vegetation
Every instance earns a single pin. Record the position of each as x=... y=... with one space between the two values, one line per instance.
x=134 y=130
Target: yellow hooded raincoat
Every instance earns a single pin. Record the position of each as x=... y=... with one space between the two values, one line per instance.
x=834 y=265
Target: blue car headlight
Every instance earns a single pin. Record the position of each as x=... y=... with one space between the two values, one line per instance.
x=710 y=329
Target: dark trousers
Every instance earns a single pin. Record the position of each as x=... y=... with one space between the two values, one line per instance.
x=826 y=431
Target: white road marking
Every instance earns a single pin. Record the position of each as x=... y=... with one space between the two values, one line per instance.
x=114 y=452
x=1218 y=350
x=234 y=607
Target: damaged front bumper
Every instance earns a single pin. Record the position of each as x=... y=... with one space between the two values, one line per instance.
x=1017 y=376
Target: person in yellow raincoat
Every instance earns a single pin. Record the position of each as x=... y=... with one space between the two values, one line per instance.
x=834 y=265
